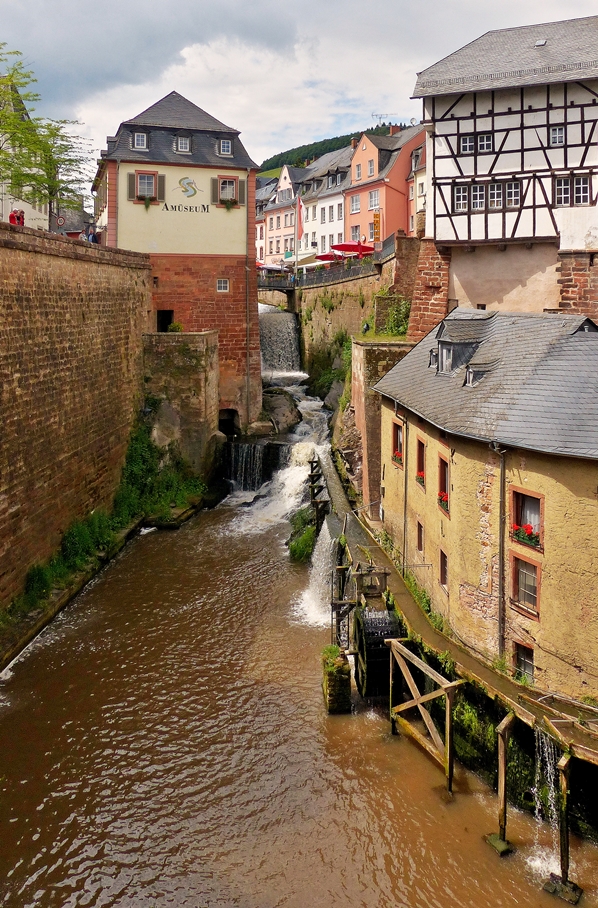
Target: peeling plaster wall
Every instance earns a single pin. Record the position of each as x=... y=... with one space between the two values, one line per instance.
x=564 y=635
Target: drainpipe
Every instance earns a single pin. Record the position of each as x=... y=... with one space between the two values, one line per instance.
x=247 y=333
x=405 y=487
x=501 y=550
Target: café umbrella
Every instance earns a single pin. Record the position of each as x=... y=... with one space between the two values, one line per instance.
x=354 y=247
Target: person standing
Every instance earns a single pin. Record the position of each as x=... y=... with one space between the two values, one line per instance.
x=13 y=217
x=21 y=218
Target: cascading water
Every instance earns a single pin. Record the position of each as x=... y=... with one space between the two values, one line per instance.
x=279 y=341
x=246 y=466
x=545 y=860
x=314 y=606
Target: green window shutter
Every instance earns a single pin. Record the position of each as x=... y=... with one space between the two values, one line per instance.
x=161 y=187
x=241 y=192
x=215 y=198
x=131 y=193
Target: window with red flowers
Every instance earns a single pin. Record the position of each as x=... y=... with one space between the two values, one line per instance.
x=397 y=443
x=420 y=475
x=527 y=518
x=443 y=484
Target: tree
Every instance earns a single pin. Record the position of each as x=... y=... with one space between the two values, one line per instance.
x=16 y=99
x=55 y=167
x=43 y=161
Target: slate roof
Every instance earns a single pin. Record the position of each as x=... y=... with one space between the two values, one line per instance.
x=166 y=119
x=508 y=57
x=538 y=388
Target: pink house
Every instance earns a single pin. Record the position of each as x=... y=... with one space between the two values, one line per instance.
x=376 y=202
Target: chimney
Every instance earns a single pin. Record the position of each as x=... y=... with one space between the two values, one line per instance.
x=393 y=129
x=354 y=142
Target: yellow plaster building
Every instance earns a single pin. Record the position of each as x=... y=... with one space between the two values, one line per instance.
x=490 y=487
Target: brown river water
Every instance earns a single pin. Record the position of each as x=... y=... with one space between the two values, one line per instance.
x=164 y=743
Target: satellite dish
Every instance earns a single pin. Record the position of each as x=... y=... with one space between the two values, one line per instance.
x=413 y=121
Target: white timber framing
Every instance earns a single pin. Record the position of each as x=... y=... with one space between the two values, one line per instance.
x=515 y=165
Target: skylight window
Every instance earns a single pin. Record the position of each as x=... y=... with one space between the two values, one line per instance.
x=540 y=42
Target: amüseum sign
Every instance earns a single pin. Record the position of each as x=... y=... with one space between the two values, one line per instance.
x=199 y=209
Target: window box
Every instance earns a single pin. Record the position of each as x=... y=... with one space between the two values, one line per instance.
x=526 y=535
x=228 y=203
x=443 y=501
x=420 y=477
x=397 y=458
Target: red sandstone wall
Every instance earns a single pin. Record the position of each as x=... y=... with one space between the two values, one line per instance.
x=187 y=285
x=579 y=282
x=430 y=297
x=71 y=323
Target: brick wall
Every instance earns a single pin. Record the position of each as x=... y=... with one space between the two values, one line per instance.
x=71 y=325
x=579 y=282
x=370 y=362
x=182 y=370
x=430 y=297
x=187 y=284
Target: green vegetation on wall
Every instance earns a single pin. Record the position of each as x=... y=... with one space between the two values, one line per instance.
x=152 y=483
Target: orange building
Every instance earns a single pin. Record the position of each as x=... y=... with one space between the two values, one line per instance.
x=376 y=200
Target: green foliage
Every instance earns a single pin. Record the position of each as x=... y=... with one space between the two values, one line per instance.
x=175 y=327
x=302 y=547
x=397 y=317
x=327 y=303
x=500 y=664
x=77 y=547
x=329 y=656
x=297 y=156
x=307 y=315
x=361 y=298
x=38 y=584
x=303 y=536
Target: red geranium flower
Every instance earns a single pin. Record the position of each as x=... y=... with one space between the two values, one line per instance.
x=528 y=528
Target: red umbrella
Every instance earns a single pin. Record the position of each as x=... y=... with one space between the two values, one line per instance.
x=329 y=257
x=355 y=246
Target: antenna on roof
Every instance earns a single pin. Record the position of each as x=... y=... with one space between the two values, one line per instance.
x=380 y=117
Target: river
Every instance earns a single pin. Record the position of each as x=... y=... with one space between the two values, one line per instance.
x=165 y=743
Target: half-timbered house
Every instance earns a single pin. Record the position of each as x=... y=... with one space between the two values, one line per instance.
x=512 y=123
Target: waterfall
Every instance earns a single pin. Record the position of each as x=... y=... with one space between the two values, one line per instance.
x=279 y=341
x=245 y=467
x=545 y=859
x=313 y=608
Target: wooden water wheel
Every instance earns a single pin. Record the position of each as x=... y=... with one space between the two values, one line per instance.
x=371 y=628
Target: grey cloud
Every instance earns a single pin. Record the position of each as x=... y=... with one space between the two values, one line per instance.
x=78 y=48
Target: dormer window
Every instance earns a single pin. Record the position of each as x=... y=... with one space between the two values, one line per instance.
x=140 y=140
x=433 y=362
x=183 y=143
x=339 y=177
x=330 y=181
x=226 y=146
x=445 y=358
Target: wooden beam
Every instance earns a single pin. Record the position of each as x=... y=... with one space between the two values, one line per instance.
x=399 y=649
x=449 y=749
x=424 y=698
x=564 y=768
x=503 y=731
x=408 y=729
x=423 y=711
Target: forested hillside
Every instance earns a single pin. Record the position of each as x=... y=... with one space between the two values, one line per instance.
x=298 y=156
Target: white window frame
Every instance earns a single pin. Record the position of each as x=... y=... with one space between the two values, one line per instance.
x=355 y=204
x=581 y=190
x=562 y=192
x=371 y=231
x=421 y=188
x=146 y=177
x=227 y=189
x=485 y=141
x=322 y=244
x=183 y=144
x=495 y=195
x=373 y=199
x=358 y=171
x=478 y=197
x=513 y=194
x=222 y=285
x=339 y=211
x=140 y=141
x=371 y=167
x=323 y=215
x=467 y=144
x=460 y=198
x=226 y=147
x=557 y=136
x=355 y=233
x=331 y=213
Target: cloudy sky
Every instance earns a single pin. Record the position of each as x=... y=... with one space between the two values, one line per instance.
x=283 y=73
